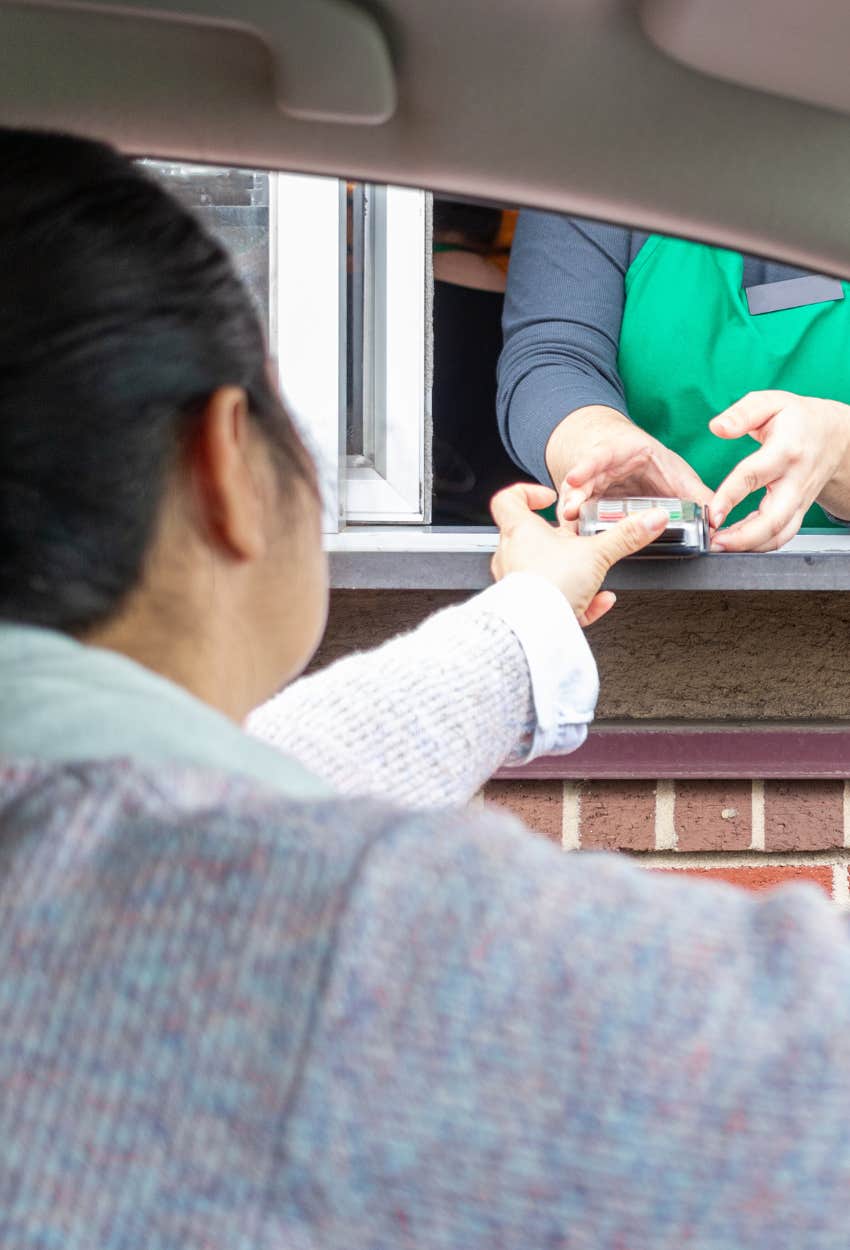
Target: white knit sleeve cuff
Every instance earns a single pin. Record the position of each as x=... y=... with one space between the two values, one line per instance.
x=564 y=680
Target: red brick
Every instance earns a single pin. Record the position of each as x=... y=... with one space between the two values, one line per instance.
x=713 y=815
x=803 y=815
x=763 y=876
x=538 y=803
x=617 y=815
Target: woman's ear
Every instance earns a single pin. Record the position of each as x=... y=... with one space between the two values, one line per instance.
x=230 y=470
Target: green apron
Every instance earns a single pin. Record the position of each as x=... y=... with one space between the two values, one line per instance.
x=689 y=348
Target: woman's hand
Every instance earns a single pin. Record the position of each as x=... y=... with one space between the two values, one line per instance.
x=577 y=566
x=596 y=448
x=804 y=454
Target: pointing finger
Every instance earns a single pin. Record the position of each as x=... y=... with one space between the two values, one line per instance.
x=762 y=529
x=760 y=469
x=571 y=501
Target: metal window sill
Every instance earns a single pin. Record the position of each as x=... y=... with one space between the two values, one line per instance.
x=434 y=558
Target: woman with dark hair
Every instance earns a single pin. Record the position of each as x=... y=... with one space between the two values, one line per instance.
x=238 y=1009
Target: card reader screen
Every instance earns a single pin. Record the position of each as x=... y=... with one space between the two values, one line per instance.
x=686 y=535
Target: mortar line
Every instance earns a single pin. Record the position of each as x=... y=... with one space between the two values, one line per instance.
x=665 y=816
x=846 y=813
x=570 y=816
x=757 y=801
x=840 y=886
x=741 y=859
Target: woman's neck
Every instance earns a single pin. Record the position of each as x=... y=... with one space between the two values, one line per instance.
x=200 y=660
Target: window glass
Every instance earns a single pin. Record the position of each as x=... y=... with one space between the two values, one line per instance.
x=234 y=205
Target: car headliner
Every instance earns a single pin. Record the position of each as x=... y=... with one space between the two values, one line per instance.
x=722 y=119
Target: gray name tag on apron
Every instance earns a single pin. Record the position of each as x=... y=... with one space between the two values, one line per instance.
x=793 y=293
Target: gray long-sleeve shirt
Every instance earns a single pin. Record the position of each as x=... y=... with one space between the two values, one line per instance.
x=561 y=322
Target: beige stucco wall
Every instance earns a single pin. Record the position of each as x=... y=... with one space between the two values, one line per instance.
x=739 y=656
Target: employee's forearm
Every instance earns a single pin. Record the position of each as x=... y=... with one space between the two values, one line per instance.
x=581 y=429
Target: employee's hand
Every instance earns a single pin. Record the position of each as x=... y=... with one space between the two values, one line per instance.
x=577 y=566
x=803 y=458
x=596 y=448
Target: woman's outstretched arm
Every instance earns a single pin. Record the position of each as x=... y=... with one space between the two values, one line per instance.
x=429 y=716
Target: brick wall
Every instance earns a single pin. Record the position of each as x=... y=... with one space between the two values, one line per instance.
x=756 y=834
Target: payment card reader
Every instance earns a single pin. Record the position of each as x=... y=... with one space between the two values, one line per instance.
x=687 y=532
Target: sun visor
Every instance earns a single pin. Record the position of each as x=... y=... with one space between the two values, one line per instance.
x=788 y=47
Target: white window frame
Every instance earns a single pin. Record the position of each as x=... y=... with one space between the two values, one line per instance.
x=308 y=258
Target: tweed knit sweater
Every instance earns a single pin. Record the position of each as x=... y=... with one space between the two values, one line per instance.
x=423 y=720
x=231 y=1019
x=427 y=718
x=229 y=1022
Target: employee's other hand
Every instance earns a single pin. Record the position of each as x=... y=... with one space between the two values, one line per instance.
x=596 y=448
x=803 y=457
x=577 y=566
